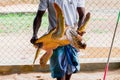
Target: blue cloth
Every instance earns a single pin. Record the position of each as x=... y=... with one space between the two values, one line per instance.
x=64 y=61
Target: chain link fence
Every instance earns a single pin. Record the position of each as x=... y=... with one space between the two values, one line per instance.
x=16 y=19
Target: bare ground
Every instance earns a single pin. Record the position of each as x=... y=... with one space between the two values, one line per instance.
x=92 y=75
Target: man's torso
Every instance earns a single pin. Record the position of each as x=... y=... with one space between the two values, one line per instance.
x=69 y=8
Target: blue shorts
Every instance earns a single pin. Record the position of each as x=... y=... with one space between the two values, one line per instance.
x=64 y=61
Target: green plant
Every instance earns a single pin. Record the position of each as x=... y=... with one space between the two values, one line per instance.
x=14 y=22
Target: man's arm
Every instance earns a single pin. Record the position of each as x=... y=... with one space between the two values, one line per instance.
x=81 y=13
x=36 y=25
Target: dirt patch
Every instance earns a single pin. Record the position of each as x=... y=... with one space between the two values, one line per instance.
x=100 y=52
x=13 y=2
x=94 y=75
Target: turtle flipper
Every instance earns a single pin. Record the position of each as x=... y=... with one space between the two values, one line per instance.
x=36 y=55
x=44 y=59
x=60 y=26
x=86 y=20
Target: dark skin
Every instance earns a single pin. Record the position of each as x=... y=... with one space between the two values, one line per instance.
x=37 y=24
x=81 y=13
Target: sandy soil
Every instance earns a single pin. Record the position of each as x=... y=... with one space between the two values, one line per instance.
x=95 y=75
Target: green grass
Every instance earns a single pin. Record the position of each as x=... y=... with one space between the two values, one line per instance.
x=99 y=31
x=15 y=22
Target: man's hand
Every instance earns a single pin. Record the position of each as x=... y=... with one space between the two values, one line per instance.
x=80 y=33
x=33 y=39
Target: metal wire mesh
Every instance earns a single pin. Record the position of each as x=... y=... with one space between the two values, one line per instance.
x=16 y=19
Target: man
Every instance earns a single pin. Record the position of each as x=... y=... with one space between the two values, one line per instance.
x=64 y=61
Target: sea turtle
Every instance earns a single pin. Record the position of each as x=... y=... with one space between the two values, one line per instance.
x=60 y=36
